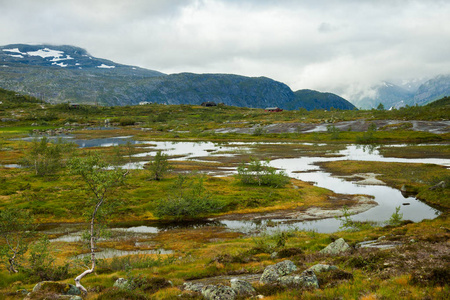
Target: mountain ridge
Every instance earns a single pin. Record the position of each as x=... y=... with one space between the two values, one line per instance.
x=395 y=96
x=67 y=73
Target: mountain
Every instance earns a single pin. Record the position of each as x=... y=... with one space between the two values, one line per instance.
x=316 y=100
x=389 y=94
x=433 y=89
x=414 y=92
x=66 y=58
x=440 y=103
x=71 y=74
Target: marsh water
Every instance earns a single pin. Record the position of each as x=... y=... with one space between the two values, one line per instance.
x=303 y=168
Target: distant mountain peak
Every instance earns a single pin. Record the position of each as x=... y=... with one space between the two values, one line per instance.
x=67 y=73
x=52 y=56
x=408 y=92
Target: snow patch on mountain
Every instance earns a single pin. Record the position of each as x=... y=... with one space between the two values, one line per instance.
x=46 y=52
x=62 y=65
x=15 y=50
x=103 y=66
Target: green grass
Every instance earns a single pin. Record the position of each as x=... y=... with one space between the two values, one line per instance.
x=412 y=272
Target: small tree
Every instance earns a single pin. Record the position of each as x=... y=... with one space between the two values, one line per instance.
x=47 y=158
x=42 y=261
x=334 y=131
x=16 y=226
x=188 y=200
x=159 y=166
x=396 y=217
x=123 y=153
x=260 y=173
x=100 y=179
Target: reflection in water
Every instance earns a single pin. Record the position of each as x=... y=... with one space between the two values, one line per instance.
x=303 y=168
x=109 y=253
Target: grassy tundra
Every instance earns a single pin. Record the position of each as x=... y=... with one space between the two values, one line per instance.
x=417 y=269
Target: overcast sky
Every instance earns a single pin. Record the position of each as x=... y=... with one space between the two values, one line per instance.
x=329 y=45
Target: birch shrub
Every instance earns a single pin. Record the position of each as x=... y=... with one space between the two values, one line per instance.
x=260 y=173
x=188 y=200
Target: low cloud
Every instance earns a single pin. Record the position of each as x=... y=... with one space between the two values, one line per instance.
x=338 y=46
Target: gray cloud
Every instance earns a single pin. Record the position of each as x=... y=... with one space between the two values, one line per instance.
x=338 y=46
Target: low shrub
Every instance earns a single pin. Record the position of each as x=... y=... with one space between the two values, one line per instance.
x=259 y=173
x=189 y=200
x=431 y=275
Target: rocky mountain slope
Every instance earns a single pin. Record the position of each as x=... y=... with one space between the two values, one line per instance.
x=317 y=100
x=392 y=95
x=67 y=73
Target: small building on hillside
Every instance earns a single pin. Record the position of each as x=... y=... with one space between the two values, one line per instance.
x=74 y=105
x=209 y=104
x=144 y=103
x=273 y=109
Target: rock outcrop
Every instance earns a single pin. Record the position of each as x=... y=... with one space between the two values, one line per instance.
x=273 y=272
x=337 y=247
x=218 y=292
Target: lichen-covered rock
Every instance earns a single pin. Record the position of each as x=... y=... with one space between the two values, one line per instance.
x=322 y=268
x=121 y=283
x=218 y=292
x=273 y=272
x=193 y=287
x=57 y=287
x=242 y=287
x=305 y=279
x=336 y=247
x=22 y=291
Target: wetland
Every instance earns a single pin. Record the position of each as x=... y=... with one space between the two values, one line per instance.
x=382 y=190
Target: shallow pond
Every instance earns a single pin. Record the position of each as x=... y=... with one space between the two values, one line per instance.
x=302 y=168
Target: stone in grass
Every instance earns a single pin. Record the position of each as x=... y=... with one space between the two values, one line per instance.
x=306 y=279
x=57 y=287
x=121 y=283
x=336 y=247
x=273 y=272
x=218 y=292
x=193 y=287
x=319 y=268
x=242 y=287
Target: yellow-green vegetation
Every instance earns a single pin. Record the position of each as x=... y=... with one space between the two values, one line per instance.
x=59 y=198
x=417 y=268
x=418 y=179
x=417 y=151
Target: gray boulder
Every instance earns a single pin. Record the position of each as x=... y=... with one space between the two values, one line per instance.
x=440 y=185
x=122 y=283
x=242 y=287
x=336 y=247
x=218 y=292
x=273 y=272
x=193 y=287
x=319 y=268
x=305 y=279
x=57 y=287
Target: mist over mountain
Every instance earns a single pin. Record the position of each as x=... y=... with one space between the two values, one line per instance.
x=71 y=74
x=433 y=89
x=412 y=92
